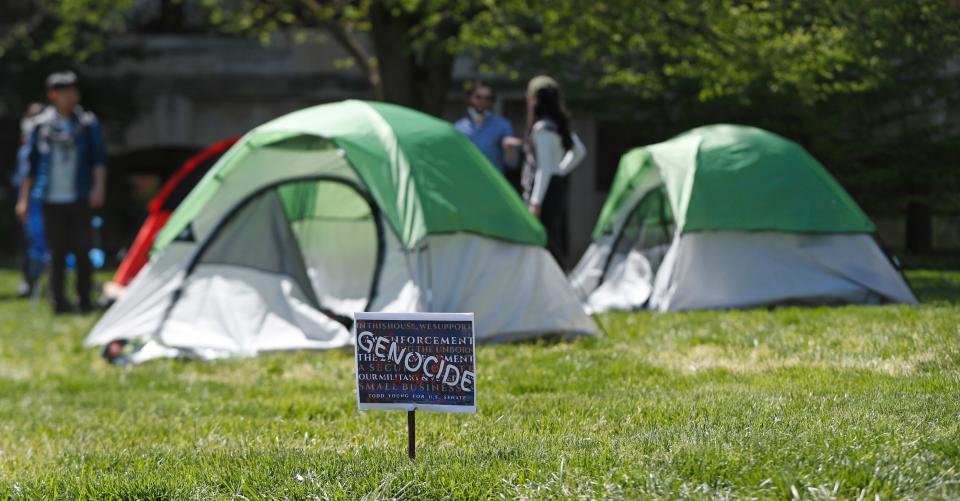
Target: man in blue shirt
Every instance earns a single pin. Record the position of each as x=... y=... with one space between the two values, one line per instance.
x=491 y=133
x=68 y=174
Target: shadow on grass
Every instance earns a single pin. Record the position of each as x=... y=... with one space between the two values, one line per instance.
x=941 y=261
x=12 y=296
x=936 y=286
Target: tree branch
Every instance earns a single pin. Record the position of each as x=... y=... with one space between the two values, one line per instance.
x=348 y=40
x=368 y=63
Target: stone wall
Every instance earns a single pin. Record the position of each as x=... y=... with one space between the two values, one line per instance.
x=195 y=90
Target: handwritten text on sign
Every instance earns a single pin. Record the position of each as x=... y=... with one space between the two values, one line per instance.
x=416 y=361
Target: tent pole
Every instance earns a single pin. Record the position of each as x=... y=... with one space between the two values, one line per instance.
x=429 y=278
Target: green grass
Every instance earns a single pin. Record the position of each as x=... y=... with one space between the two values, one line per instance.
x=824 y=403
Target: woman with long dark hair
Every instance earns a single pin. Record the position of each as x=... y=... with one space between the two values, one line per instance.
x=552 y=151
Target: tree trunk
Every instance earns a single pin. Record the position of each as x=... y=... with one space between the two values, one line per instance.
x=919 y=228
x=415 y=78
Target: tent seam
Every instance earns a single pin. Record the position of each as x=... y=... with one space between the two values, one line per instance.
x=419 y=219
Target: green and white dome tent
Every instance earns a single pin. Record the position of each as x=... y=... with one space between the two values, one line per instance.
x=344 y=207
x=727 y=216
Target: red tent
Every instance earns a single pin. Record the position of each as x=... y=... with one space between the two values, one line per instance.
x=171 y=194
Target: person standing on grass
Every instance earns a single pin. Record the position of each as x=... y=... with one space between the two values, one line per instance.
x=552 y=152
x=491 y=133
x=34 y=257
x=68 y=174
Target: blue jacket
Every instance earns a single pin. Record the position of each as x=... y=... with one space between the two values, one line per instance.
x=91 y=151
x=487 y=136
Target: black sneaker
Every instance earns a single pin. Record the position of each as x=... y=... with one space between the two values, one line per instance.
x=62 y=308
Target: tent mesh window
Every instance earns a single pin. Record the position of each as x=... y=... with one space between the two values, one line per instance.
x=323 y=234
x=336 y=231
x=648 y=230
x=258 y=236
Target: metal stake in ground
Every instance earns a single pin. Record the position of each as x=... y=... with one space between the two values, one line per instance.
x=412 y=434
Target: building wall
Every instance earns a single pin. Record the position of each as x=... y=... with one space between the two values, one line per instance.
x=195 y=90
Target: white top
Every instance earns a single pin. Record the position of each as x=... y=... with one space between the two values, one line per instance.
x=552 y=159
x=63 y=166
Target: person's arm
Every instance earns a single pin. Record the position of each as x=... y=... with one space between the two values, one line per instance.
x=23 y=198
x=510 y=145
x=573 y=157
x=511 y=148
x=26 y=184
x=547 y=148
x=98 y=191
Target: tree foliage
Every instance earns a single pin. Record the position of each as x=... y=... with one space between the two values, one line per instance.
x=34 y=30
x=810 y=50
x=713 y=49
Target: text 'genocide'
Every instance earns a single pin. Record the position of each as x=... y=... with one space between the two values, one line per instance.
x=433 y=368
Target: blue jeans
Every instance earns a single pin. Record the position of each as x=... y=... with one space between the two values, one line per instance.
x=35 y=245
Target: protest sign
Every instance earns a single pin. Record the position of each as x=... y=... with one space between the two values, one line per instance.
x=414 y=361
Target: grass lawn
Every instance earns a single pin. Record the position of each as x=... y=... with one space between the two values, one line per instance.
x=855 y=402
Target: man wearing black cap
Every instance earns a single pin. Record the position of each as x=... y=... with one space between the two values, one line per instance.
x=68 y=173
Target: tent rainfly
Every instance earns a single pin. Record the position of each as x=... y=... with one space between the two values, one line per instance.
x=727 y=216
x=344 y=207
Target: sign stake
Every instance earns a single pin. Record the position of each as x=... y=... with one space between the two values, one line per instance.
x=412 y=434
